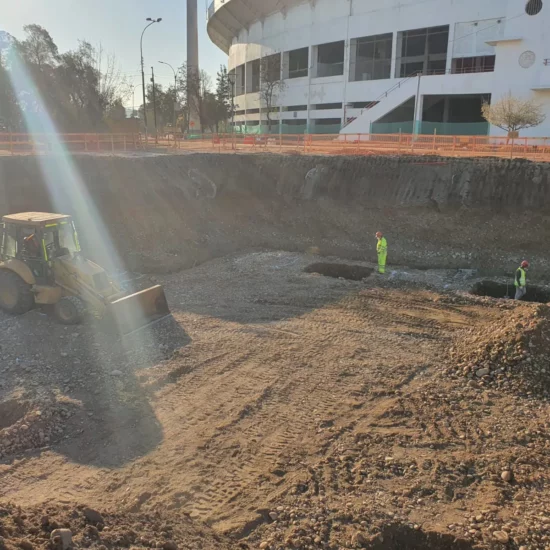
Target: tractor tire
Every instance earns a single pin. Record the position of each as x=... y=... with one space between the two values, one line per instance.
x=70 y=310
x=16 y=296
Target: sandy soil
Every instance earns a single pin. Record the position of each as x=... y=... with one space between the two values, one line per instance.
x=285 y=410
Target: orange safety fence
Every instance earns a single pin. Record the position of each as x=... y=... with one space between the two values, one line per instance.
x=383 y=144
x=17 y=143
x=291 y=144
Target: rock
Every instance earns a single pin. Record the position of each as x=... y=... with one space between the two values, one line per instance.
x=26 y=545
x=62 y=538
x=358 y=540
x=264 y=545
x=482 y=372
x=93 y=516
x=507 y=476
x=501 y=536
x=274 y=516
x=170 y=545
x=116 y=373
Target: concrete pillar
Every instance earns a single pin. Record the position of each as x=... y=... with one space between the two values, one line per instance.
x=395 y=55
x=419 y=106
x=352 y=66
x=193 y=55
x=451 y=47
x=309 y=77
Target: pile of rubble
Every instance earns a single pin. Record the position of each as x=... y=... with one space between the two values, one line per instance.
x=26 y=425
x=55 y=527
x=511 y=353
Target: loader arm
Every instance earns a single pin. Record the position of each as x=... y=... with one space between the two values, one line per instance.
x=73 y=284
x=126 y=313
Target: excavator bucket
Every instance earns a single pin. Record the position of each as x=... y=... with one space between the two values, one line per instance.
x=138 y=310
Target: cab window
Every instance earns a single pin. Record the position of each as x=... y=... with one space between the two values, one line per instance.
x=59 y=239
x=8 y=244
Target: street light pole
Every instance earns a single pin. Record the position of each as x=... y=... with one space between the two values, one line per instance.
x=175 y=93
x=154 y=102
x=231 y=77
x=152 y=22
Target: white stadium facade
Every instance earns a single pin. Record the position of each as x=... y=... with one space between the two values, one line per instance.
x=362 y=66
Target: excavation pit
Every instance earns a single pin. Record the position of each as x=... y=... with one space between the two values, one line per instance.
x=340 y=271
x=12 y=412
x=401 y=537
x=492 y=289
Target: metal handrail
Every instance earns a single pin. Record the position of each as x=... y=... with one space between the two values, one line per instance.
x=384 y=95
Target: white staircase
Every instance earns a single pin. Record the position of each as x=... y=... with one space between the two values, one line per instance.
x=387 y=102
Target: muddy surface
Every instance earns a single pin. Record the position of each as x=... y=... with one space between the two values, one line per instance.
x=284 y=409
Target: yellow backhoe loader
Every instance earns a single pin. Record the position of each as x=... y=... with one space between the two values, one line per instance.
x=41 y=263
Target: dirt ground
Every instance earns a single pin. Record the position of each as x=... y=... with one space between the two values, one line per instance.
x=282 y=409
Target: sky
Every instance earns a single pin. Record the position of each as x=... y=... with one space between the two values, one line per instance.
x=117 y=25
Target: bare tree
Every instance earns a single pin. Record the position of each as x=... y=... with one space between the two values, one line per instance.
x=271 y=84
x=513 y=113
x=113 y=85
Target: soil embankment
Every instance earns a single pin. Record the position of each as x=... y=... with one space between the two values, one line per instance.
x=165 y=213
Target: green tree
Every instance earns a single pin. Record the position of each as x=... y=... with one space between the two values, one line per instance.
x=75 y=89
x=38 y=48
x=225 y=102
x=10 y=113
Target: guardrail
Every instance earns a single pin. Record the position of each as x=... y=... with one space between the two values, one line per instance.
x=291 y=144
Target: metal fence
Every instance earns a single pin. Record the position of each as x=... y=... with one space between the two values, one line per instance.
x=293 y=144
x=14 y=144
x=372 y=144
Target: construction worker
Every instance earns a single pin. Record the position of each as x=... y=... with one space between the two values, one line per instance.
x=521 y=280
x=31 y=246
x=382 y=250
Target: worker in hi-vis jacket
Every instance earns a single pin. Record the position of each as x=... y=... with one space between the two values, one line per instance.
x=521 y=280
x=382 y=250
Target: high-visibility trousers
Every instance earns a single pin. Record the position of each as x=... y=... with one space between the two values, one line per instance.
x=382 y=257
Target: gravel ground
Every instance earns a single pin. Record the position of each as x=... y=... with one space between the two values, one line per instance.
x=290 y=410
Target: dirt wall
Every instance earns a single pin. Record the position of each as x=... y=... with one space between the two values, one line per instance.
x=168 y=212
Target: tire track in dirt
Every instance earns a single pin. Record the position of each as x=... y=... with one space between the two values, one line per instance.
x=274 y=402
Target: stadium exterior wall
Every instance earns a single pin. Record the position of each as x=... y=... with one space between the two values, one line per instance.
x=516 y=32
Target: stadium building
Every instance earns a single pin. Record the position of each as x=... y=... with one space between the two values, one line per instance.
x=360 y=66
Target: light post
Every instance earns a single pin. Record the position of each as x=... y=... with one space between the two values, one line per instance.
x=232 y=78
x=151 y=22
x=175 y=93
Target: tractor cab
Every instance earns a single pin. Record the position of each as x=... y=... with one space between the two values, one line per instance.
x=36 y=239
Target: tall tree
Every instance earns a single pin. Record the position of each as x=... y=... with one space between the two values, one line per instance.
x=38 y=48
x=78 y=78
x=10 y=113
x=224 y=96
x=166 y=101
x=197 y=95
x=271 y=84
